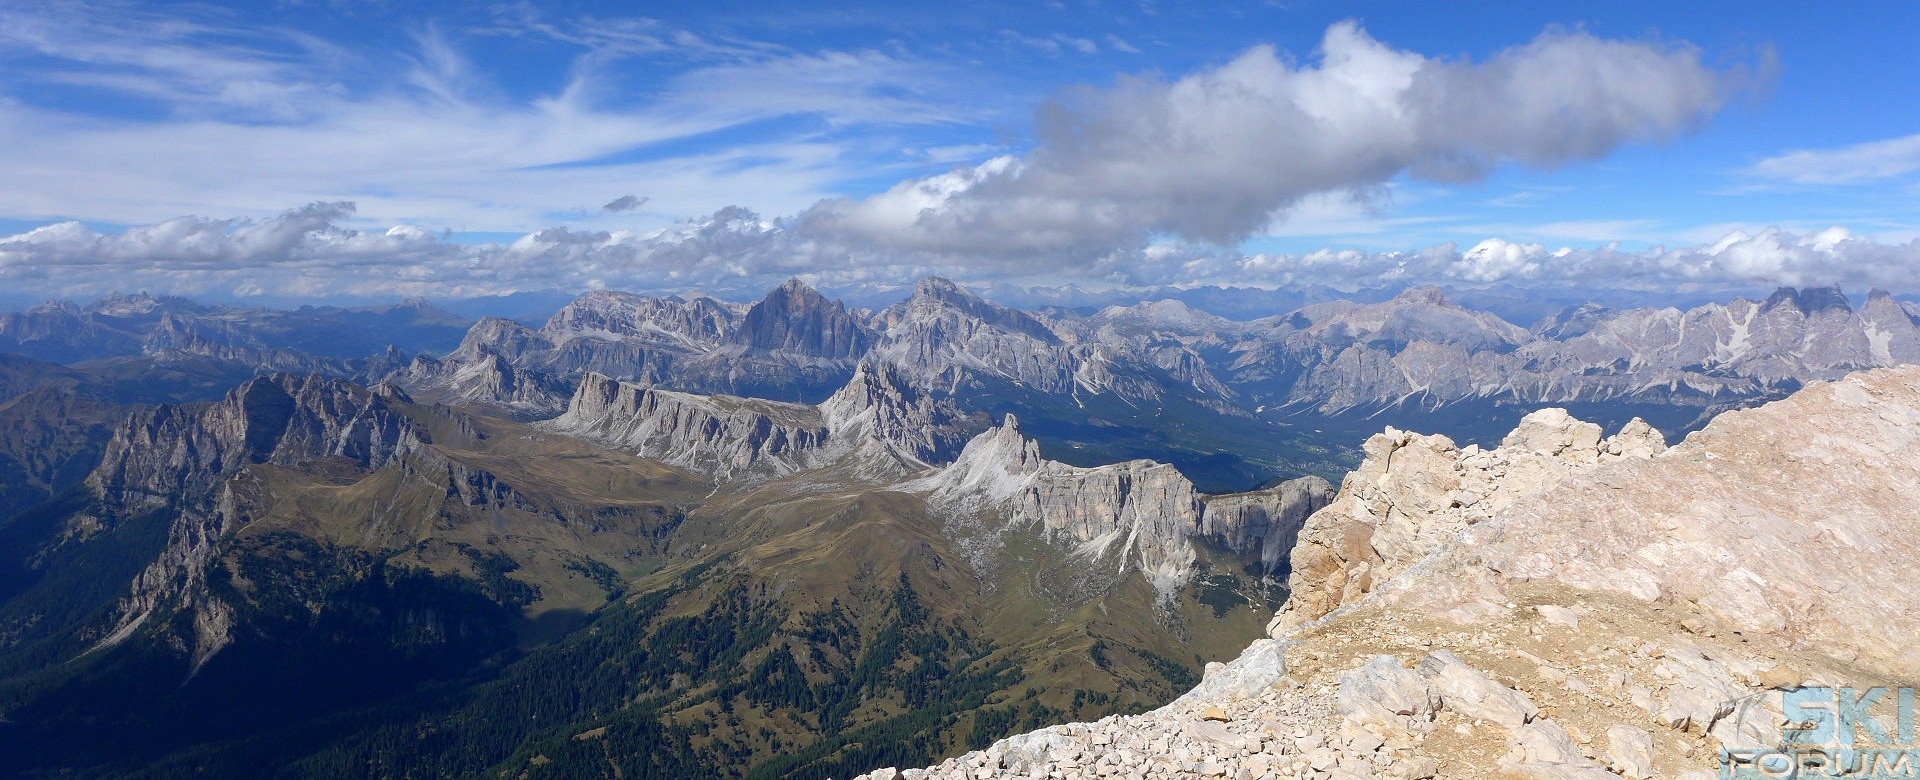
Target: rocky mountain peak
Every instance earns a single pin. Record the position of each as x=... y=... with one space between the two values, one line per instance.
x=181 y=452
x=619 y=315
x=1809 y=300
x=1426 y=295
x=877 y=424
x=881 y=405
x=498 y=335
x=796 y=318
x=493 y=380
x=184 y=458
x=1880 y=310
x=55 y=307
x=939 y=288
x=123 y=305
x=991 y=468
x=1573 y=321
x=935 y=298
x=391 y=393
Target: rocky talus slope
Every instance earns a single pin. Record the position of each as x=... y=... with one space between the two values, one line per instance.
x=1564 y=606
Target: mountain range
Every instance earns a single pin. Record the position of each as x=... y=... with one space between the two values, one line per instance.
x=697 y=583
x=1158 y=379
x=673 y=536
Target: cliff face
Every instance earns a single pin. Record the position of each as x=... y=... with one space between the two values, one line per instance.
x=658 y=320
x=721 y=436
x=887 y=428
x=180 y=453
x=1265 y=523
x=1139 y=514
x=1564 y=606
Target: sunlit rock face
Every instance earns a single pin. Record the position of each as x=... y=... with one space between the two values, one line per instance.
x=1140 y=515
x=1564 y=606
x=888 y=428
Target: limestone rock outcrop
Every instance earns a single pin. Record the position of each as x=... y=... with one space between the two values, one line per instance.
x=1342 y=355
x=1141 y=512
x=720 y=436
x=891 y=429
x=880 y=405
x=1629 y=612
x=178 y=453
x=493 y=380
x=1413 y=493
x=795 y=318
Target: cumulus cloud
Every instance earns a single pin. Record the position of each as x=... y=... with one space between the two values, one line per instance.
x=1860 y=162
x=1214 y=156
x=1769 y=257
x=307 y=252
x=179 y=243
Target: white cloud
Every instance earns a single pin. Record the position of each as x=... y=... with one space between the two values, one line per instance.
x=1848 y=164
x=1769 y=257
x=306 y=252
x=1138 y=184
x=1215 y=155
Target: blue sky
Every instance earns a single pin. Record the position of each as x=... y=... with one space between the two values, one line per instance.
x=209 y=148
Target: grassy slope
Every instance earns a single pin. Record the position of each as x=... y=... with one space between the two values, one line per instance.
x=789 y=631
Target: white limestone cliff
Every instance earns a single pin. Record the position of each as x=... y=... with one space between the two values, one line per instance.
x=887 y=429
x=1141 y=513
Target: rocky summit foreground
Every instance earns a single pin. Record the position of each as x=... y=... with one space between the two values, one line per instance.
x=1564 y=606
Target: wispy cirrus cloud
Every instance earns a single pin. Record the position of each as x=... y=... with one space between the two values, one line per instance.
x=1868 y=161
x=221 y=117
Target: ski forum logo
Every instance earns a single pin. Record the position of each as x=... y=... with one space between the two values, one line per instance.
x=1815 y=732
